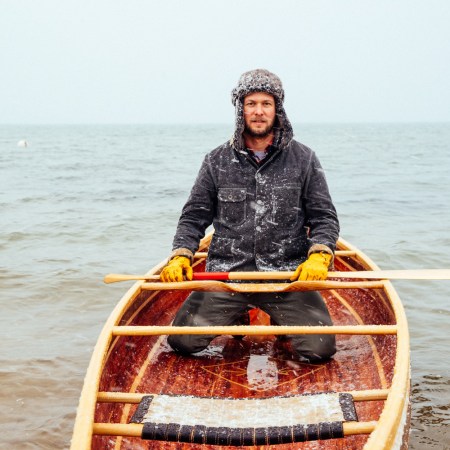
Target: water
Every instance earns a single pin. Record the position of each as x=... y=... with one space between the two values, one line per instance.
x=83 y=201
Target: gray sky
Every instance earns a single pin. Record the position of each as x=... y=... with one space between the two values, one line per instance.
x=176 y=61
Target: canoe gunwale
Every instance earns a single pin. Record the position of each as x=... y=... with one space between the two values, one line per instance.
x=386 y=433
x=84 y=422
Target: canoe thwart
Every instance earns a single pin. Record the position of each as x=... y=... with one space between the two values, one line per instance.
x=254 y=330
x=246 y=421
x=220 y=286
x=136 y=397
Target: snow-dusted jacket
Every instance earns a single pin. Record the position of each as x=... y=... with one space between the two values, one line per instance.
x=266 y=217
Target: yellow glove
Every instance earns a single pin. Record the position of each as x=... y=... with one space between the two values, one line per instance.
x=314 y=268
x=176 y=269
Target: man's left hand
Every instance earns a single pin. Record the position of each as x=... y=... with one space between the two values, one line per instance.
x=314 y=268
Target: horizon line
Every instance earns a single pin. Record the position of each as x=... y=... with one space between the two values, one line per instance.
x=410 y=122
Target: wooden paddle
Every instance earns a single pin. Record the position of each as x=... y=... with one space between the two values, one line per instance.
x=418 y=274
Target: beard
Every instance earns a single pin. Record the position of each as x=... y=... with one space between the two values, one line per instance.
x=259 y=133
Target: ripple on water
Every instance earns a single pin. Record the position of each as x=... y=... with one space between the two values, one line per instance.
x=47 y=389
x=430 y=417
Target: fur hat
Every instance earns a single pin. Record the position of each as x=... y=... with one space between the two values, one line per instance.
x=260 y=80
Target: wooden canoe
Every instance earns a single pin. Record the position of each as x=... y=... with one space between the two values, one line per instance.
x=250 y=379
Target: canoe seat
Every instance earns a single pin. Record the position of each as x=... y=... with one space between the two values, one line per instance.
x=241 y=422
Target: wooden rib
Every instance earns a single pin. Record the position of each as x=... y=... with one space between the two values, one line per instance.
x=219 y=286
x=375 y=353
x=135 y=429
x=254 y=330
x=136 y=397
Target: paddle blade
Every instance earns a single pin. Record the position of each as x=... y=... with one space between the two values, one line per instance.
x=417 y=274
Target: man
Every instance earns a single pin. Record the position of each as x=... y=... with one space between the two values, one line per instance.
x=268 y=200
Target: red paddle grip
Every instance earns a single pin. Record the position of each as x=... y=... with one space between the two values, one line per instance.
x=200 y=276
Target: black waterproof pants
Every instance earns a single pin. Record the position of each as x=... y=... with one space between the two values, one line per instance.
x=287 y=308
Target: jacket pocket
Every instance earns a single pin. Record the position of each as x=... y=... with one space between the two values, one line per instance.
x=232 y=205
x=286 y=205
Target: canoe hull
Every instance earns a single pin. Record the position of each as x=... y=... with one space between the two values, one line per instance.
x=256 y=367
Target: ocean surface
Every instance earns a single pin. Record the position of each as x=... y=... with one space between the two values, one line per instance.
x=82 y=201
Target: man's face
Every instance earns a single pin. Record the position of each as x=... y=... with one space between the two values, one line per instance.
x=259 y=114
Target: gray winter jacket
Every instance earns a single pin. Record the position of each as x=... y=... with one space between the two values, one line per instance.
x=266 y=217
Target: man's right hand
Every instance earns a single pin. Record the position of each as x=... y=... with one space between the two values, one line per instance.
x=177 y=269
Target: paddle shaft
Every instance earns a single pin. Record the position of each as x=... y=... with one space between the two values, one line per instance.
x=420 y=274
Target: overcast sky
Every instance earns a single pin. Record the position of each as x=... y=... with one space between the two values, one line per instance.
x=176 y=61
